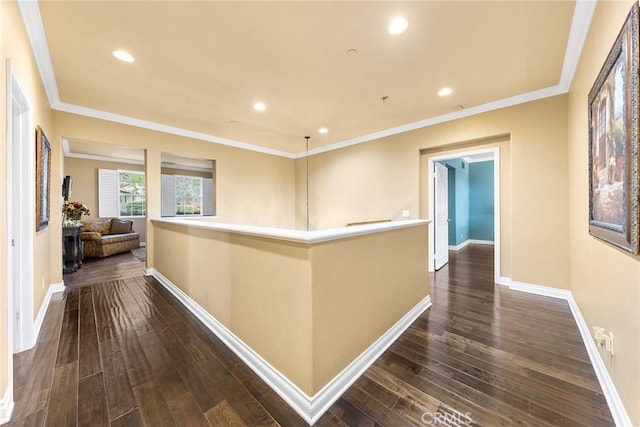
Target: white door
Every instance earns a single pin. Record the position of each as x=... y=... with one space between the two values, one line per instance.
x=441 y=225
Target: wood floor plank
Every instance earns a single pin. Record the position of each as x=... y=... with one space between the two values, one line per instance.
x=185 y=411
x=71 y=297
x=68 y=346
x=152 y=405
x=223 y=415
x=36 y=419
x=351 y=415
x=35 y=393
x=62 y=407
x=92 y=402
x=120 y=397
x=87 y=315
x=89 y=356
x=130 y=419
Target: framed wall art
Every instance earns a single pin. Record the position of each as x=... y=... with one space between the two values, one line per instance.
x=43 y=179
x=613 y=143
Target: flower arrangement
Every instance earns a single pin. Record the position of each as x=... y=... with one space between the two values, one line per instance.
x=74 y=210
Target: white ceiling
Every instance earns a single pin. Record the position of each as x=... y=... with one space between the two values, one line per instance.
x=200 y=65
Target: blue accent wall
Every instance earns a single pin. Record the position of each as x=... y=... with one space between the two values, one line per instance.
x=481 y=201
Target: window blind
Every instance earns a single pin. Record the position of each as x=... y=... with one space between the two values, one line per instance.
x=108 y=192
x=207 y=196
x=168 y=195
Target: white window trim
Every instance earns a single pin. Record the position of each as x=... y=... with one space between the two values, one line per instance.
x=145 y=192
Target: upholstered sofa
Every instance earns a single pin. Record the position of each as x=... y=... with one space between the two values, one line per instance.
x=107 y=237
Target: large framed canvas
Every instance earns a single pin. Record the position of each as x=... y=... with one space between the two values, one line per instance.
x=613 y=143
x=43 y=179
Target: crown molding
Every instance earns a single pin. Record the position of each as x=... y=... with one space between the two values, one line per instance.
x=159 y=127
x=490 y=106
x=582 y=15
x=35 y=32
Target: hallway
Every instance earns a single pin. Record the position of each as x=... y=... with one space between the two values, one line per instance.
x=124 y=352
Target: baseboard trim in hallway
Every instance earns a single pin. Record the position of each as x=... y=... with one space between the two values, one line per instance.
x=6 y=406
x=618 y=412
x=37 y=324
x=310 y=408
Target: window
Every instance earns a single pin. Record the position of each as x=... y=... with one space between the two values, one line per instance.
x=121 y=193
x=186 y=195
x=132 y=193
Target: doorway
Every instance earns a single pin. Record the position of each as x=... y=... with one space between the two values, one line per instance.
x=20 y=227
x=434 y=212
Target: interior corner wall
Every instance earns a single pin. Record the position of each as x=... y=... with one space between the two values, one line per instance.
x=380 y=178
x=14 y=46
x=481 y=201
x=605 y=281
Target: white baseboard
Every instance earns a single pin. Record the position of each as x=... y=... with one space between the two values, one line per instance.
x=6 y=406
x=37 y=324
x=611 y=395
x=616 y=407
x=535 y=289
x=471 y=242
x=308 y=407
x=460 y=246
x=143 y=244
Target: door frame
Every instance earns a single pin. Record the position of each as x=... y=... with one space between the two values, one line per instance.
x=20 y=217
x=495 y=151
x=436 y=223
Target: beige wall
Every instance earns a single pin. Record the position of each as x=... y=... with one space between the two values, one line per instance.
x=605 y=281
x=84 y=173
x=269 y=311
x=251 y=188
x=378 y=179
x=15 y=46
x=361 y=288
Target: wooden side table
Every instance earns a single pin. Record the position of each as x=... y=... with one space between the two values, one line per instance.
x=72 y=253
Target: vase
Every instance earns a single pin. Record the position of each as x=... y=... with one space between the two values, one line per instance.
x=72 y=221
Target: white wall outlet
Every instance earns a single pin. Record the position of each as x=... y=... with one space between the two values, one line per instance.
x=602 y=339
x=405 y=213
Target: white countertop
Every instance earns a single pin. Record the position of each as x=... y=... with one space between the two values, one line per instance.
x=298 y=236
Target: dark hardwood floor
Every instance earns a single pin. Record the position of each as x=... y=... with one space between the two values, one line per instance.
x=117 y=349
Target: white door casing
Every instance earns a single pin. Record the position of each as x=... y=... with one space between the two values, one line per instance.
x=20 y=226
x=441 y=215
x=430 y=198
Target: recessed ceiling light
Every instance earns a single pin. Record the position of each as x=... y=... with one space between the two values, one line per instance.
x=123 y=55
x=445 y=91
x=323 y=130
x=398 y=25
x=259 y=106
